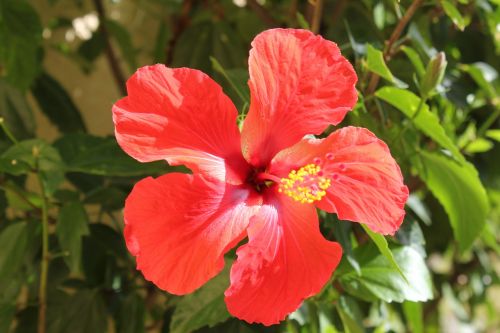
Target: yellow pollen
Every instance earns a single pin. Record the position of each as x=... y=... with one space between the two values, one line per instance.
x=306 y=184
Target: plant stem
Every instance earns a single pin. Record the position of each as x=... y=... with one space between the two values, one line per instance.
x=7 y=131
x=372 y=85
x=110 y=52
x=316 y=20
x=178 y=27
x=44 y=265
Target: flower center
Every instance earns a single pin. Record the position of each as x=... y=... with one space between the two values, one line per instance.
x=305 y=185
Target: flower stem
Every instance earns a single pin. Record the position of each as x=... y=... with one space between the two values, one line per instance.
x=44 y=265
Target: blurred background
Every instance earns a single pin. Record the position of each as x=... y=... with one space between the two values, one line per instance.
x=428 y=86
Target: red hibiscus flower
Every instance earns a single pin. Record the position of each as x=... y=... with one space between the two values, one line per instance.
x=264 y=183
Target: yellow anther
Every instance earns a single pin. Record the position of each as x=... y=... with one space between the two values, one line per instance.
x=306 y=184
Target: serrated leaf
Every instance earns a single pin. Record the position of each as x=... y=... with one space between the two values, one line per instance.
x=379 y=280
x=426 y=121
x=383 y=247
x=72 y=225
x=204 y=307
x=459 y=189
x=57 y=105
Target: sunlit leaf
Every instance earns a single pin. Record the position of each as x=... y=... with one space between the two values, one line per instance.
x=204 y=307
x=379 y=279
x=426 y=121
x=459 y=189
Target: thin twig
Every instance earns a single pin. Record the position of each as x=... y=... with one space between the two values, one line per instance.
x=372 y=85
x=179 y=26
x=316 y=19
x=262 y=13
x=110 y=52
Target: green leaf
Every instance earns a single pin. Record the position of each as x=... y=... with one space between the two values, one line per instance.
x=72 y=225
x=124 y=41
x=375 y=63
x=162 y=38
x=383 y=247
x=452 y=12
x=301 y=20
x=85 y=312
x=427 y=122
x=482 y=74
x=203 y=307
x=206 y=38
x=459 y=189
x=415 y=60
x=102 y=156
x=57 y=105
x=414 y=316
x=31 y=155
x=20 y=37
x=493 y=134
x=14 y=240
x=237 y=82
x=379 y=280
x=7 y=312
x=16 y=112
x=350 y=315
x=132 y=314
x=478 y=145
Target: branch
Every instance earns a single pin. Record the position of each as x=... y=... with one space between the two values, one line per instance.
x=372 y=85
x=180 y=25
x=316 y=19
x=110 y=53
x=262 y=13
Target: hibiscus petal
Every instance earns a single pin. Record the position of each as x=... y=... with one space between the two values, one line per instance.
x=183 y=116
x=299 y=84
x=179 y=226
x=285 y=261
x=367 y=185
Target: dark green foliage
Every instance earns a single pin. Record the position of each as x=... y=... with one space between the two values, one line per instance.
x=432 y=94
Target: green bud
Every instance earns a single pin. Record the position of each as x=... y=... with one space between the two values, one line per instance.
x=433 y=75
